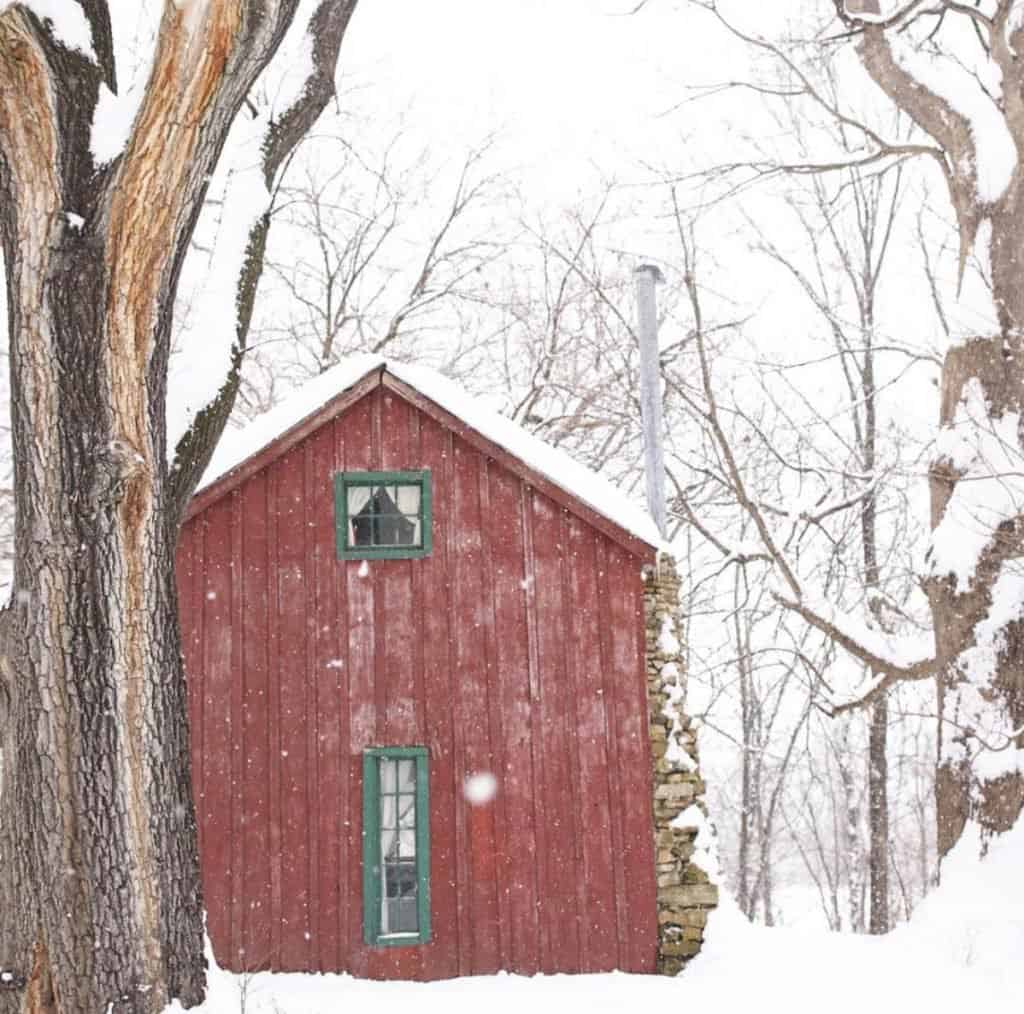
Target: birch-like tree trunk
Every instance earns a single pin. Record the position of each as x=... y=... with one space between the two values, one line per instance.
x=101 y=906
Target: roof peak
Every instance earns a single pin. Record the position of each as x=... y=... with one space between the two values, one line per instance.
x=314 y=402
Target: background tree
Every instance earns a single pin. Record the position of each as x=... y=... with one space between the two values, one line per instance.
x=851 y=225
x=377 y=248
x=975 y=595
x=973 y=579
x=99 y=201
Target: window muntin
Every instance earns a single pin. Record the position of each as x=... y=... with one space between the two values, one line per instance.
x=396 y=862
x=382 y=514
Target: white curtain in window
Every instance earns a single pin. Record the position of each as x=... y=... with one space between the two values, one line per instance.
x=358 y=498
x=408 y=500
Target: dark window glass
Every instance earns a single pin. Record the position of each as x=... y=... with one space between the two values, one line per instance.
x=385 y=515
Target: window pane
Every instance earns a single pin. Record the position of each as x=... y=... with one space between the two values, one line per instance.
x=415 y=536
x=399 y=909
x=388 y=771
x=400 y=916
x=388 y=846
x=407 y=776
x=408 y=499
x=407 y=844
x=406 y=811
x=394 y=530
x=388 y=812
x=407 y=920
x=400 y=880
x=358 y=498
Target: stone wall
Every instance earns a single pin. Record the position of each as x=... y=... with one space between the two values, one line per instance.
x=682 y=834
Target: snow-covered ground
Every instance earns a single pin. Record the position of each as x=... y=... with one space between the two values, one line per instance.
x=963 y=952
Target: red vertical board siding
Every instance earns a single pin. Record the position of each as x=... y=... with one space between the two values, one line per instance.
x=329 y=691
x=358 y=621
x=540 y=813
x=570 y=682
x=393 y=578
x=419 y=712
x=514 y=648
x=615 y=790
x=216 y=800
x=237 y=682
x=292 y=677
x=470 y=704
x=554 y=780
x=517 y=877
x=255 y=783
x=495 y=808
x=600 y=954
x=435 y=622
x=274 y=719
x=349 y=912
x=637 y=855
x=311 y=671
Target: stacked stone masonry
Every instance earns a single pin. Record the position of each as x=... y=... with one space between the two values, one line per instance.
x=685 y=893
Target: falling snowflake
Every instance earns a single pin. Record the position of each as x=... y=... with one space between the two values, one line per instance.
x=480 y=787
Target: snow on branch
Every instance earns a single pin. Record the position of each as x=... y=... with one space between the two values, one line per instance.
x=979 y=661
x=66 y=21
x=985 y=454
x=225 y=262
x=892 y=659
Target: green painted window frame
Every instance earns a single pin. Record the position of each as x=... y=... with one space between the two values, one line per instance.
x=344 y=480
x=373 y=874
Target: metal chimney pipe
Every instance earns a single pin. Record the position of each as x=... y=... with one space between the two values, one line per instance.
x=647 y=277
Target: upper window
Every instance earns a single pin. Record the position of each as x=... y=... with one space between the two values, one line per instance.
x=382 y=514
x=396 y=856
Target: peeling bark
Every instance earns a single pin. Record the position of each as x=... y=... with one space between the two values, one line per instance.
x=99 y=874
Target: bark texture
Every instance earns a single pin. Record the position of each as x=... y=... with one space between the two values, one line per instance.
x=99 y=879
x=995 y=363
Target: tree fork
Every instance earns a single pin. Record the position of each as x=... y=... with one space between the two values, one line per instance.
x=97 y=827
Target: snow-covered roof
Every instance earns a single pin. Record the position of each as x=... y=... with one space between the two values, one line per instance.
x=238 y=446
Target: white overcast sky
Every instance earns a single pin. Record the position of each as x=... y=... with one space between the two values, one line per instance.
x=566 y=82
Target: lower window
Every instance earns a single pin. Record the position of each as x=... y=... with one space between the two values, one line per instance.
x=396 y=846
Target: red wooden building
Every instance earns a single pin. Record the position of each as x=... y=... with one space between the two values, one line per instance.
x=389 y=594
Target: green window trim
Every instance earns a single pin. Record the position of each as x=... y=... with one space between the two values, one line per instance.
x=373 y=872
x=344 y=481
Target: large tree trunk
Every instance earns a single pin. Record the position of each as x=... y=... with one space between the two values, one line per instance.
x=975 y=718
x=100 y=906
x=97 y=806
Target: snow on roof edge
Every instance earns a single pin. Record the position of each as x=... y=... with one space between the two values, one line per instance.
x=237 y=446
x=597 y=492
